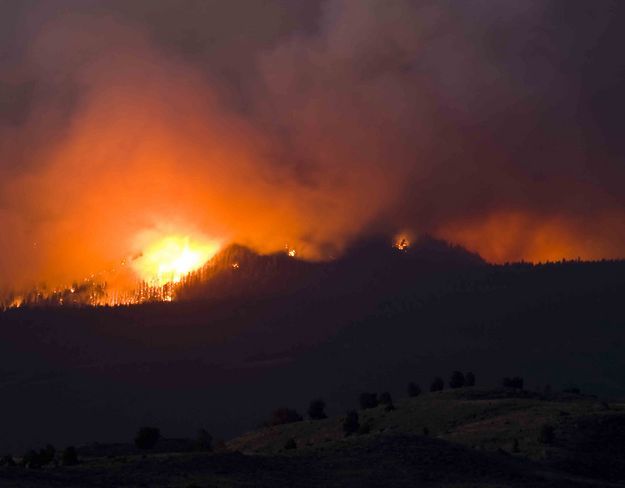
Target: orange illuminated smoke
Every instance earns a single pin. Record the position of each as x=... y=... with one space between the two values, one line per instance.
x=169 y=259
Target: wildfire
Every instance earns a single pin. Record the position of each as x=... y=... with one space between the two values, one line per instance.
x=402 y=243
x=169 y=259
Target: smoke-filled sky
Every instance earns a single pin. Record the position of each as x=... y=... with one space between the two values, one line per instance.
x=493 y=124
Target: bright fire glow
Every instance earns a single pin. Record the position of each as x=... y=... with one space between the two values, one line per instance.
x=402 y=242
x=169 y=259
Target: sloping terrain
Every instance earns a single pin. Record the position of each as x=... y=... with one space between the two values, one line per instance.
x=587 y=438
x=469 y=443
x=483 y=419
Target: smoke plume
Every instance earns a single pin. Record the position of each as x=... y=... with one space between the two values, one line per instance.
x=494 y=125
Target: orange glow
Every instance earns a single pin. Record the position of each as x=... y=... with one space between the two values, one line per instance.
x=151 y=140
x=169 y=259
x=517 y=236
x=402 y=242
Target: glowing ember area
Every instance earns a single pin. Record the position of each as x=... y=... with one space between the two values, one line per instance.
x=402 y=243
x=171 y=258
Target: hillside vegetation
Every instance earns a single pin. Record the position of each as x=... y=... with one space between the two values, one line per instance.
x=467 y=437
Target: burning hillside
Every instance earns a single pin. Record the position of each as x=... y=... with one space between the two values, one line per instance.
x=178 y=271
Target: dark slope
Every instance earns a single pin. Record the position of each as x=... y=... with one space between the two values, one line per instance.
x=392 y=460
x=371 y=266
x=470 y=444
x=278 y=331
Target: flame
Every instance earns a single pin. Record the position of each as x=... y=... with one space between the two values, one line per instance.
x=402 y=242
x=169 y=259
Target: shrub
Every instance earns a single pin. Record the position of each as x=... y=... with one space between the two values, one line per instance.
x=437 y=384
x=204 y=441
x=365 y=428
x=290 y=444
x=31 y=459
x=513 y=382
x=69 y=456
x=351 y=423
x=469 y=379
x=284 y=415
x=47 y=454
x=456 y=380
x=147 y=437
x=413 y=389
x=368 y=400
x=547 y=434
x=220 y=445
x=316 y=410
x=7 y=461
x=387 y=401
x=573 y=390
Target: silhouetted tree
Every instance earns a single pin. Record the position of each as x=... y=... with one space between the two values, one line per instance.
x=351 y=423
x=365 y=427
x=69 y=456
x=316 y=410
x=147 y=437
x=220 y=445
x=413 y=389
x=204 y=441
x=469 y=379
x=573 y=390
x=437 y=384
x=47 y=454
x=37 y=459
x=456 y=380
x=387 y=401
x=290 y=444
x=31 y=459
x=547 y=434
x=7 y=461
x=426 y=431
x=515 y=446
x=368 y=400
x=513 y=382
x=284 y=415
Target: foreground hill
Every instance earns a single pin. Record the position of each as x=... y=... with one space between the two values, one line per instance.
x=588 y=435
x=469 y=444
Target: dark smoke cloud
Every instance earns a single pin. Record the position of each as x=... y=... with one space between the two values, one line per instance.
x=494 y=124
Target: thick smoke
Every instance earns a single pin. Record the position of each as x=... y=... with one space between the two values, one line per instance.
x=495 y=125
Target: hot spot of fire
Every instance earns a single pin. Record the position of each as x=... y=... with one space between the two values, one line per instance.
x=291 y=252
x=402 y=242
x=169 y=259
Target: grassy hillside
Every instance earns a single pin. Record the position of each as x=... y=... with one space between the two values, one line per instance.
x=470 y=443
x=479 y=418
